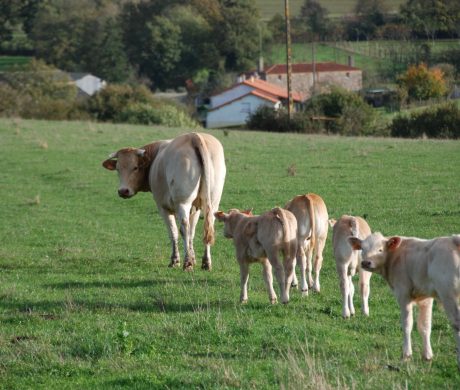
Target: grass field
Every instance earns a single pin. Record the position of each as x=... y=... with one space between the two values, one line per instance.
x=11 y=62
x=336 y=8
x=87 y=299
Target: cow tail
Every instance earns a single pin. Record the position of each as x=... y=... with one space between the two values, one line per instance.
x=205 y=188
x=280 y=216
x=311 y=215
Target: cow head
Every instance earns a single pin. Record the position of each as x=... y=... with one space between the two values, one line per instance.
x=132 y=170
x=375 y=250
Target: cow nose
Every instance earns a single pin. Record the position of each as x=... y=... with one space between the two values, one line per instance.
x=123 y=192
x=365 y=264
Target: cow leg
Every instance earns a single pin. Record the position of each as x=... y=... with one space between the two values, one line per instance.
x=170 y=222
x=308 y=250
x=407 y=323
x=320 y=243
x=452 y=308
x=279 y=273
x=342 y=271
x=364 y=286
x=424 y=326
x=302 y=261
x=351 y=294
x=194 y=217
x=268 y=279
x=183 y=215
x=289 y=271
x=244 y=277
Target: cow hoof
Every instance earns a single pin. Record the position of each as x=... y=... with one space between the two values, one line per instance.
x=305 y=293
x=206 y=266
x=273 y=301
x=174 y=264
x=244 y=301
x=188 y=267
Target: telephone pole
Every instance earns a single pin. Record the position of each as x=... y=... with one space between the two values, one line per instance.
x=288 y=58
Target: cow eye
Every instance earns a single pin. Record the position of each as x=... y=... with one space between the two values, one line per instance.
x=135 y=168
x=380 y=250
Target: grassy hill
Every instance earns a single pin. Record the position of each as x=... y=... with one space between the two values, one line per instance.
x=87 y=299
x=336 y=8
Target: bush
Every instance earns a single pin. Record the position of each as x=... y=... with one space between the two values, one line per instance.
x=159 y=113
x=268 y=119
x=439 y=122
x=423 y=83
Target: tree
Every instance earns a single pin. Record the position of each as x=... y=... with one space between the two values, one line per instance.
x=316 y=18
x=423 y=83
x=371 y=15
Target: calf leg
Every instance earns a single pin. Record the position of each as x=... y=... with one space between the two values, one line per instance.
x=364 y=286
x=170 y=222
x=268 y=279
x=342 y=270
x=407 y=323
x=302 y=260
x=351 y=294
x=320 y=243
x=244 y=277
x=272 y=255
x=424 y=326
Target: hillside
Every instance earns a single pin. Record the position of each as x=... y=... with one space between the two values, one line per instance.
x=336 y=8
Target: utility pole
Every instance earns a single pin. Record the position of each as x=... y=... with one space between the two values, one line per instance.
x=288 y=58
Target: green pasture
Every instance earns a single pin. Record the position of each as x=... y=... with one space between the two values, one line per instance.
x=11 y=62
x=87 y=299
x=336 y=8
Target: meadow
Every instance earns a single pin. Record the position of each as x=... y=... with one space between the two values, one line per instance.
x=87 y=299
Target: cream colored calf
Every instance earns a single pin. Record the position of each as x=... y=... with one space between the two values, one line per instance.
x=311 y=214
x=417 y=271
x=261 y=239
x=347 y=261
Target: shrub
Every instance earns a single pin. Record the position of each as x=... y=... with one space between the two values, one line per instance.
x=268 y=119
x=439 y=122
x=423 y=83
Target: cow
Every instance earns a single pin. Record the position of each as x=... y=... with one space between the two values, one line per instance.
x=417 y=271
x=312 y=219
x=185 y=175
x=261 y=239
x=348 y=260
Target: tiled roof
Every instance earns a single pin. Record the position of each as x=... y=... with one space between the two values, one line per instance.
x=308 y=68
x=254 y=92
x=271 y=89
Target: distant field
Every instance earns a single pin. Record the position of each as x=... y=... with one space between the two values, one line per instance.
x=10 y=62
x=87 y=300
x=336 y=8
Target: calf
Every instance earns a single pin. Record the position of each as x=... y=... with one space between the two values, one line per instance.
x=347 y=261
x=261 y=239
x=417 y=271
x=312 y=224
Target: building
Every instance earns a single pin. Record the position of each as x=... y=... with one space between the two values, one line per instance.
x=309 y=79
x=233 y=106
x=86 y=83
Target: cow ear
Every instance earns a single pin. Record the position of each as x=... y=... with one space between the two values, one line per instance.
x=250 y=229
x=355 y=243
x=248 y=212
x=393 y=243
x=220 y=215
x=110 y=164
x=332 y=222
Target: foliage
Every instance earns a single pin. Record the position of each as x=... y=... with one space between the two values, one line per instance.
x=423 y=83
x=315 y=18
x=436 y=122
x=83 y=262
x=346 y=113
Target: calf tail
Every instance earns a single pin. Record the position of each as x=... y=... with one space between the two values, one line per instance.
x=354 y=227
x=311 y=215
x=287 y=245
x=205 y=188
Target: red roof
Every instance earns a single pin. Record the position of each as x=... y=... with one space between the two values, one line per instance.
x=308 y=68
x=271 y=89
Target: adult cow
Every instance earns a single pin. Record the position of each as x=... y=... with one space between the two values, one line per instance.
x=185 y=175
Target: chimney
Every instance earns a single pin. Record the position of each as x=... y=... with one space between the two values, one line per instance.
x=351 y=61
x=260 y=65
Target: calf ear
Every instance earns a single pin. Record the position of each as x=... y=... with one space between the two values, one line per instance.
x=220 y=215
x=110 y=164
x=355 y=243
x=393 y=243
x=248 y=212
x=332 y=222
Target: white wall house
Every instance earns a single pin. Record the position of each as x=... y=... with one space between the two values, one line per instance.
x=233 y=106
x=86 y=83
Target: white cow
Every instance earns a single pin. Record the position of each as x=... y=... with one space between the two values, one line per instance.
x=347 y=261
x=417 y=271
x=312 y=221
x=185 y=175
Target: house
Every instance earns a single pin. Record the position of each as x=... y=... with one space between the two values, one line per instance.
x=87 y=84
x=233 y=106
x=309 y=79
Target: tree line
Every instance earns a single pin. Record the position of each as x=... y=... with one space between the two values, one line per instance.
x=165 y=43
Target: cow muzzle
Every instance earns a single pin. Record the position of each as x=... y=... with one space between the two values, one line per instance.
x=125 y=193
x=366 y=264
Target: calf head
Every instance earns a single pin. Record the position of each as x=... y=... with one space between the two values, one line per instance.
x=132 y=170
x=374 y=250
x=231 y=219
